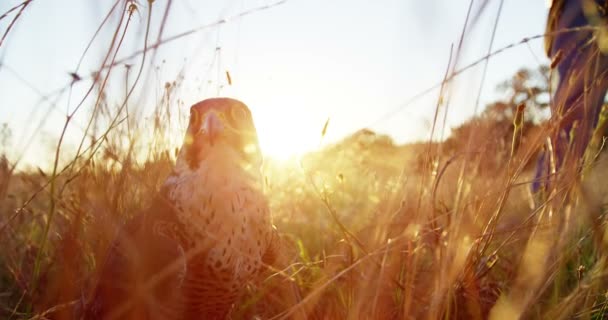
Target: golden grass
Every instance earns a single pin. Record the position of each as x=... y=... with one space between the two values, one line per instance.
x=369 y=229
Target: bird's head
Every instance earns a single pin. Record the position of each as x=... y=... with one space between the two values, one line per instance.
x=220 y=130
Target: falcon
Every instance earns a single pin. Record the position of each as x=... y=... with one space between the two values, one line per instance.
x=206 y=235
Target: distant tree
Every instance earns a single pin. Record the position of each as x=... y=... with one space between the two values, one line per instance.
x=493 y=129
x=526 y=86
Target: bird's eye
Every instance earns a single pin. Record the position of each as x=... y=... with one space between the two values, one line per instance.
x=194 y=117
x=238 y=113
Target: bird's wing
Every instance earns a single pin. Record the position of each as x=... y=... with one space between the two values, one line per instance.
x=142 y=272
x=274 y=246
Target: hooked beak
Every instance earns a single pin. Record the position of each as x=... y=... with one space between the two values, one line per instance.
x=212 y=126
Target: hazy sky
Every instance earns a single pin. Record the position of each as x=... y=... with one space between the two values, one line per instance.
x=295 y=64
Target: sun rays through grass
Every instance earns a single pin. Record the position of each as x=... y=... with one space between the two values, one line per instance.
x=369 y=228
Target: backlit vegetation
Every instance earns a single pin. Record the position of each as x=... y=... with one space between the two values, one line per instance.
x=370 y=229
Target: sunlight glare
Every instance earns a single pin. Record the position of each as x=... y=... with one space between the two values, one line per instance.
x=284 y=138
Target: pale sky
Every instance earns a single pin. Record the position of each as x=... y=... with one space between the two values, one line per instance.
x=295 y=64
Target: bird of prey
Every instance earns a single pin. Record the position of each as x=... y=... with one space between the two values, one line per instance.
x=206 y=234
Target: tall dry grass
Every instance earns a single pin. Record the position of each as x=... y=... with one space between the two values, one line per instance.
x=369 y=229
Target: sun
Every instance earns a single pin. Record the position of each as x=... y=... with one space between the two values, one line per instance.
x=285 y=138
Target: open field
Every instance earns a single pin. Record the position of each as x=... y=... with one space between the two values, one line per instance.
x=369 y=228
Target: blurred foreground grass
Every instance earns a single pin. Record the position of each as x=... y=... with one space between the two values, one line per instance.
x=370 y=230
